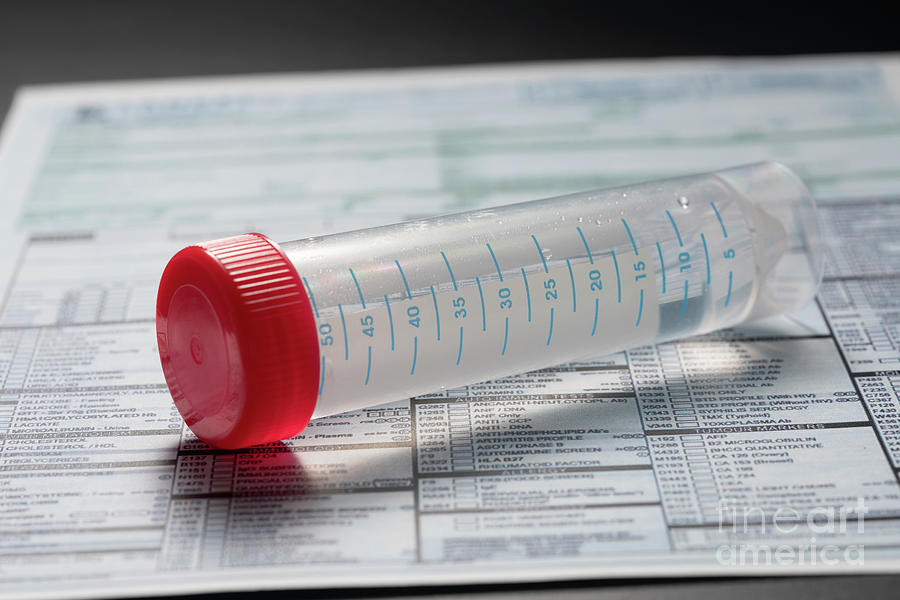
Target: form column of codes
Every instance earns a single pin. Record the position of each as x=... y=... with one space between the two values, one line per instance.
x=432 y=437
x=462 y=451
x=869 y=297
x=677 y=386
x=700 y=468
x=693 y=446
x=682 y=467
x=20 y=364
x=21 y=346
x=221 y=483
x=198 y=517
x=862 y=315
x=882 y=396
x=187 y=512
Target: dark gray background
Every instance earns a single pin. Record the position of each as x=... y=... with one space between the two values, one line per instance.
x=51 y=42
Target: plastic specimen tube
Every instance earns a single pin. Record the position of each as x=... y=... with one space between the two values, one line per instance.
x=256 y=338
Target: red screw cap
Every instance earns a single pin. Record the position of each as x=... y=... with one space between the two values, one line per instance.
x=237 y=341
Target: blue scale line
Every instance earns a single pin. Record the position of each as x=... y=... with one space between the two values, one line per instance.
x=618 y=279
x=415 y=354
x=505 y=336
x=596 y=313
x=572 y=279
x=322 y=377
x=541 y=252
x=437 y=316
x=630 y=237
x=640 y=310
x=684 y=302
x=719 y=217
x=368 y=367
x=586 y=247
x=496 y=264
x=390 y=320
x=311 y=297
x=675 y=227
x=527 y=294
x=481 y=295
x=449 y=270
x=730 y=278
x=706 y=253
x=459 y=352
x=550 y=333
x=344 y=327
x=405 y=284
x=662 y=267
x=358 y=290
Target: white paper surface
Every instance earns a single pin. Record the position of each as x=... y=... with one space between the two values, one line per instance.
x=774 y=448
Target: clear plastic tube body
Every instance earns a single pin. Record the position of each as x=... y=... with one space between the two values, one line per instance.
x=415 y=307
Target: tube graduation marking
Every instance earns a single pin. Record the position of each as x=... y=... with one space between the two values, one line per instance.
x=496 y=264
x=415 y=354
x=344 y=327
x=596 y=312
x=368 y=367
x=572 y=279
x=459 y=352
x=618 y=279
x=505 y=336
x=322 y=376
x=684 y=302
x=541 y=252
x=390 y=320
x=550 y=334
x=725 y=235
x=706 y=253
x=437 y=316
x=584 y=241
x=640 y=310
x=662 y=267
x=483 y=316
x=719 y=217
x=449 y=270
x=358 y=290
x=728 y=297
x=527 y=294
x=403 y=275
x=630 y=237
x=675 y=227
x=311 y=297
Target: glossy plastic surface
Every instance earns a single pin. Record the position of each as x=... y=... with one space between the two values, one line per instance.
x=237 y=342
x=416 y=307
x=402 y=310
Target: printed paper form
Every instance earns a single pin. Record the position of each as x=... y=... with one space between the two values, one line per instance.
x=659 y=461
